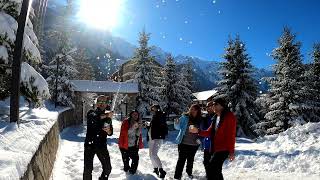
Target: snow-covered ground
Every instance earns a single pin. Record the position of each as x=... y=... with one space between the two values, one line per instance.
x=294 y=154
x=19 y=143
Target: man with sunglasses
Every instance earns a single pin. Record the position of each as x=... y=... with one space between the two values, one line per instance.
x=206 y=142
x=99 y=126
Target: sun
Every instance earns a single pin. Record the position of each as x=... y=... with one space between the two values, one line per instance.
x=102 y=14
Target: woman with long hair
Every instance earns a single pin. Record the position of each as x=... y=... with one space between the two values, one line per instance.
x=130 y=141
x=188 y=143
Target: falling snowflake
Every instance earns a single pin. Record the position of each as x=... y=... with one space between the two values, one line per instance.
x=260 y=92
x=186 y=22
x=219 y=12
x=180 y=39
x=163 y=1
x=213 y=1
x=98 y=57
x=241 y=45
x=260 y=82
x=163 y=36
x=248 y=27
x=157 y=6
x=190 y=42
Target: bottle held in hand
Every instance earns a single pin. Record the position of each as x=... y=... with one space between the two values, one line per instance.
x=106 y=125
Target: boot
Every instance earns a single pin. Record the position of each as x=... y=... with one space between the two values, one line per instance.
x=156 y=170
x=162 y=173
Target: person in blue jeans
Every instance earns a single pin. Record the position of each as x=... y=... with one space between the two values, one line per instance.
x=188 y=143
x=206 y=142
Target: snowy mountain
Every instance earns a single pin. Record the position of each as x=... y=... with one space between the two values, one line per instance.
x=101 y=43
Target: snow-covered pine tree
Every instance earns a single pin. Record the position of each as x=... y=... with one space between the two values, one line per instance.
x=312 y=86
x=286 y=87
x=83 y=66
x=67 y=66
x=184 y=92
x=239 y=87
x=66 y=72
x=30 y=88
x=148 y=74
x=171 y=86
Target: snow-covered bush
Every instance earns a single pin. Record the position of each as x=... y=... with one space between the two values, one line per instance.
x=8 y=28
x=33 y=85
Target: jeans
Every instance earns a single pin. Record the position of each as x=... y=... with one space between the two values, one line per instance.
x=104 y=158
x=206 y=160
x=215 y=165
x=133 y=154
x=186 y=153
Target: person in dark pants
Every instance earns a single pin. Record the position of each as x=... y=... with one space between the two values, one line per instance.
x=157 y=131
x=206 y=142
x=130 y=141
x=223 y=135
x=188 y=143
x=99 y=126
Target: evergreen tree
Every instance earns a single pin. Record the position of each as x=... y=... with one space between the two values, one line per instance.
x=286 y=92
x=148 y=74
x=184 y=92
x=83 y=66
x=238 y=86
x=312 y=86
x=67 y=66
x=61 y=78
x=171 y=86
x=10 y=10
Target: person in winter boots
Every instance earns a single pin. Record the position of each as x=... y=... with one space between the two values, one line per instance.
x=130 y=141
x=157 y=131
x=188 y=143
x=206 y=142
x=223 y=135
x=99 y=126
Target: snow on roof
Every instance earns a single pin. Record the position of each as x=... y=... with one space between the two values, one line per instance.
x=204 y=95
x=105 y=86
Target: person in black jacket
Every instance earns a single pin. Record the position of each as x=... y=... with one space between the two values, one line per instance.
x=99 y=126
x=157 y=131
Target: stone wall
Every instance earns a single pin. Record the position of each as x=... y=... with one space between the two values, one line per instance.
x=42 y=162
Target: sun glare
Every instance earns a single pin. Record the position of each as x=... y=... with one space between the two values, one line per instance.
x=102 y=14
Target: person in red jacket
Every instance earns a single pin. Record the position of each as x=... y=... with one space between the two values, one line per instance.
x=130 y=141
x=223 y=135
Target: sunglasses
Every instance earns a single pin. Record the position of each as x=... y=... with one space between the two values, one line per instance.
x=103 y=102
x=213 y=104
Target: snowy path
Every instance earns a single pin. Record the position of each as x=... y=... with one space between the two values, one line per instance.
x=69 y=164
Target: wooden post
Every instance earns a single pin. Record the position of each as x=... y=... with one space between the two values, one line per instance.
x=16 y=64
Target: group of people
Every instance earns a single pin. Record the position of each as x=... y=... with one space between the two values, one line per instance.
x=215 y=133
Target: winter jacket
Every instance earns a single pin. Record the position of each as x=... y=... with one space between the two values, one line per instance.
x=95 y=136
x=224 y=138
x=205 y=124
x=182 y=126
x=123 y=139
x=158 y=126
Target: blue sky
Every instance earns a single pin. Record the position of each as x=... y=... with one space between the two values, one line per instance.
x=201 y=27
